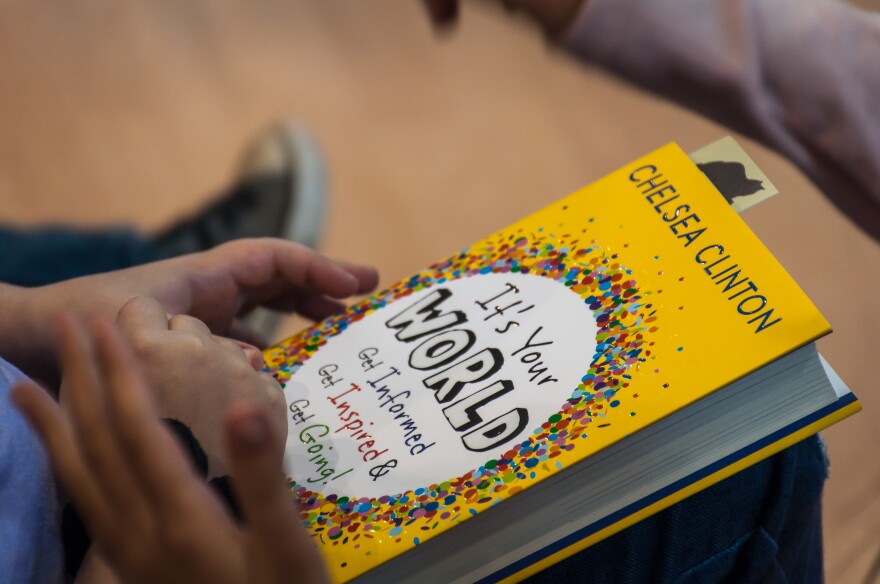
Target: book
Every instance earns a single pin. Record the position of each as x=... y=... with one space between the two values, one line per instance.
x=551 y=384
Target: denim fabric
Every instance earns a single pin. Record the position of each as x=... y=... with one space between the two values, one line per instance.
x=762 y=525
x=34 y=257
x=30 y=537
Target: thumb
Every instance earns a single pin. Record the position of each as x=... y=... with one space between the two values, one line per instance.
x=281 y=547
x=254 y=454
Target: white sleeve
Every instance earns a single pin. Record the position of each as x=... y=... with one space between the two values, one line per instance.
x=801 y=76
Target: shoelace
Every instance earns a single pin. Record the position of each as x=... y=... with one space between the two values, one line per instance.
x=208 y=226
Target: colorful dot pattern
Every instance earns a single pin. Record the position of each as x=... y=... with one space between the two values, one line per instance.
x=588 y=270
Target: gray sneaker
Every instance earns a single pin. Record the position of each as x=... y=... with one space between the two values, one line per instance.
x=289 y=151
x=280 y=192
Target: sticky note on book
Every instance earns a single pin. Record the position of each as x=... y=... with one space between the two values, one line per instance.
x=734 y=173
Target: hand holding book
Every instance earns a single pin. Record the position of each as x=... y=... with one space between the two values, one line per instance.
x=215 y=286
x=195 y=376
x=153 y=519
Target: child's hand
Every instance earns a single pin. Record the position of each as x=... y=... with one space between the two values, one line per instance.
x=214 y=286
x=195 y=376
x=150 y=516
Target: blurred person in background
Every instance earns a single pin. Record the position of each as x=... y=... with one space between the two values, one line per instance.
x=802 y=77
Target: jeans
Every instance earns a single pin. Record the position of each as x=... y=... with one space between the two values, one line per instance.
x=762 y=525
x=34 y=257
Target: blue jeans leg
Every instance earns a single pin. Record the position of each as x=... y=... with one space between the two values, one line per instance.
x=762 y=525
x=34 y=257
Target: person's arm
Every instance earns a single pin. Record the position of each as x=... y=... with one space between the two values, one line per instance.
x=801 y=76
x=152 y=518
x=214 y=286
x=195 y=376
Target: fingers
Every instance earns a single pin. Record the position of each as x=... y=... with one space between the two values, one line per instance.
x=321 y=274
x=277 y=536
x=188 y=324
x=367 y=276
x=140 y=315
x=152 y=455
x=253 y=354
x=239 y=331
x=306 y=303
x=217 y=285
x=318 y=307
x=258 y=264
x=96 y=570
x=131 y=459
x=83 y=390
x=254 y=454
x=47 y=421
x=285 y=276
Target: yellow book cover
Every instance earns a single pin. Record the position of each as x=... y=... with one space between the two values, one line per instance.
x=529 y=351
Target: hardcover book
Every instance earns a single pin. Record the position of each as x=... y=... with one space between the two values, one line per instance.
x=552 y=384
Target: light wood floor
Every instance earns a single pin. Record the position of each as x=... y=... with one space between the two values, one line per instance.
x=135 y=112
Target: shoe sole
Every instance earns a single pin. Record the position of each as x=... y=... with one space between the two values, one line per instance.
x=305 y=217
x=304 y=221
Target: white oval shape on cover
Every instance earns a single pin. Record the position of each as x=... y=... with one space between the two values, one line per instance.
x=435 y=384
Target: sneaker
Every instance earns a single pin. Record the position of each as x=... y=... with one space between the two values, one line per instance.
x=280 y=192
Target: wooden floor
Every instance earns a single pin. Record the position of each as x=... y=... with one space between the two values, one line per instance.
x=135 y=112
